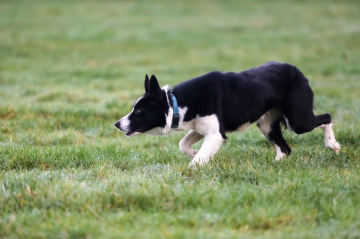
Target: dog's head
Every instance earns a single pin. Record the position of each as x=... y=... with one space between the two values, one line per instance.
x=151 y=112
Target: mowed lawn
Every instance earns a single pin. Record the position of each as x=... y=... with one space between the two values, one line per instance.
x=70 y=69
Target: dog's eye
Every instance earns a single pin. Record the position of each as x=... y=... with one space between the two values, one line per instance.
x=137 y=111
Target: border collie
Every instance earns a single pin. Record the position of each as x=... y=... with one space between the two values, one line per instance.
x=214 y=104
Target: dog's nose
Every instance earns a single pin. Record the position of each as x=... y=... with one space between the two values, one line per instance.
x=117 y=124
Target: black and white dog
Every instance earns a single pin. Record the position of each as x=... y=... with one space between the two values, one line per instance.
x=211 y=105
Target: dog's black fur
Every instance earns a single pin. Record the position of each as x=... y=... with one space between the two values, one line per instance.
x=236 y=99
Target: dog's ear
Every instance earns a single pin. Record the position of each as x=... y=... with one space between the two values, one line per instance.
x=155 y=90
x=146 y=84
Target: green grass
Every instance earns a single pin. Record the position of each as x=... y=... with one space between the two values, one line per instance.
x=70 y=69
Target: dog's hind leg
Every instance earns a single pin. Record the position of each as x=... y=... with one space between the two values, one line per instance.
x=324 y=122
x=272 y=131
x=299 y=116
x=323 y=119
x=307 y=121
x=298 y=105
x=275 y=135
x=302 y=120
x=189 y=139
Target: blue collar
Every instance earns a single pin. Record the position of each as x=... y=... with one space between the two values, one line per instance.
x=176 y=117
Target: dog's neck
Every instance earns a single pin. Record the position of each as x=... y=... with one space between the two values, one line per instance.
x=182 y=126
x=170 y=114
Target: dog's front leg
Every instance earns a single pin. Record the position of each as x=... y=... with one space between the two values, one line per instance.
x=189 y=139
x=210 y=146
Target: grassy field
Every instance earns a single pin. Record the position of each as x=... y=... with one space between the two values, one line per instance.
x=70 y=69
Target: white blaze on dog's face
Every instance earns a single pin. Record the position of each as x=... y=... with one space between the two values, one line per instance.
x=149 y=112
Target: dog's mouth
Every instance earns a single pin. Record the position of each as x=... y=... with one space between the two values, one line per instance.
x=132 y=133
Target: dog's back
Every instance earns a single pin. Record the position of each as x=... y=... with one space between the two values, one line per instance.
x=240 y=98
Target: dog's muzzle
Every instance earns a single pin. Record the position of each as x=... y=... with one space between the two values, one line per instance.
x=117 y=124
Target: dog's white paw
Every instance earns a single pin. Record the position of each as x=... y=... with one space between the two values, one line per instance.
x=334 y=146
x=193 y=164
x=197 y=162
x=279 y=157
x=279 y=154
x=329 y=138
